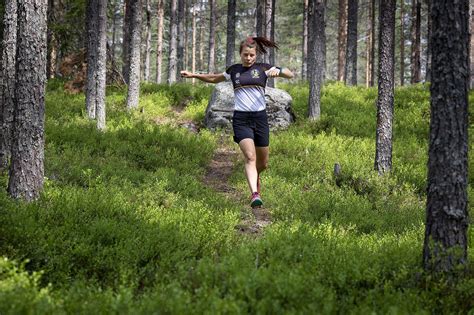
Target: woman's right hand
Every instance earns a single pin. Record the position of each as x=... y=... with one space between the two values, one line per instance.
x=186 y=74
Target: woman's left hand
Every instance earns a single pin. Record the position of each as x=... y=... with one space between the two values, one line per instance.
x=273 y=72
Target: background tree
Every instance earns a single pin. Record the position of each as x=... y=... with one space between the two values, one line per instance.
x=146 y=63
x=270 y=34
x=351 y=48
x=383 y=147
x=27 y=163
x=96 y=60
x=52 y=56
x=304 y=48
x=316 y=11
x=416 y=42
x=159 y=40
x=428 y=48
x=447 y=220
x=135 y=41
x=230 y=50
x=370 y=47
x=7 y=81
x=211 y=61
x=181 y=39
x=402 y=42
x=126 y=39
x=342 y=40
x=472 y=44
x=173 y=43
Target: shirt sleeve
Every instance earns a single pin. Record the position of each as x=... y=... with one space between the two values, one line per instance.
x=266 y=66
x=227 y=73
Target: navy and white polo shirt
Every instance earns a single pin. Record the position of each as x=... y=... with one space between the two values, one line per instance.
x=249 y=86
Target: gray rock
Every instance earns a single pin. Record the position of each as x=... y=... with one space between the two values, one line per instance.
x=221 y=108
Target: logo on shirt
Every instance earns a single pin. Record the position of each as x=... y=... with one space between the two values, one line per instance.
x=237 y=75
x=255 y=74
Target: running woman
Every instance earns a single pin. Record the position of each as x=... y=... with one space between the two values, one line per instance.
x=249 y=121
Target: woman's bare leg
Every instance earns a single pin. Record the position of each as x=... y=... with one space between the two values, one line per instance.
x=247 y=146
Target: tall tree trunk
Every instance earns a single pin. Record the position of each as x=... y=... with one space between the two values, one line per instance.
x=370 y=45
x=342 y=41
x=416 y=43
x=146 y=68
x=27 y=164
x=304 y=48
x=351 y=49
x=428 y=46
x=316 y=12
x=383 y=148
x=96 y=60
x=446 y=227
x=471 y=84
x=173 y=43
x=212 y=38
x=181 y=35
x=135 y=41
x=229 y=57
x=159 y=45
x=193 y=58
x=126 y=39
x=201 y=45
x=260 y=17
x=7 y=81
x=186 y=27
x=402 y=43
x=114 y=31
x=52 y=42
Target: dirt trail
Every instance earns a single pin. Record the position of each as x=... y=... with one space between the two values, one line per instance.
x=221 y=167
x=217 y=176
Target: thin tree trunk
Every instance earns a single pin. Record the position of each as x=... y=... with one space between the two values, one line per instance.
x=316 y=12
x=342 y=41
x=445 y=245
x=186 y=27
x=27 y=164
x=415 y=45
x=173 y=46
x=229 y=57
x=114 y=30
x=428 y=46
x=52 y=42
x=212 y=38
x=7 y=81
x=269 y=18
x=201 y=45
x=135 y=41
x=351 y=49
x=304 y=48
x=126 y=39
x=159 y=45
x=370 y=45
x=260 y=17
x=402 y=43
x=92 y=30
x=383 y=148
x=193 y=58
x=181 y=35
x=146 y=68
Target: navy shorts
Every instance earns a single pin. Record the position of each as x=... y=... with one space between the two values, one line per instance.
x=253 y=125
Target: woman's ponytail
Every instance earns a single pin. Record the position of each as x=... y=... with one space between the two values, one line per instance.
x=260 y=43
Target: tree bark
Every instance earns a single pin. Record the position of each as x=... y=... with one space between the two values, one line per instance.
x=260 y=17
x=316 y=12
x=445 y=245
x=472 y=46
x=181 y=36
x=211 y=61
x=126 y=40
x=402 y=43
x=383 y=149
x=351 y=49
x=370 y=45
x=159 y=45
x=173 y=43
x=7 y=81
x=52 y=43
x=229 y=57
x=27 y=164
x=342 y=41
x=304 y=48
x=193 y=57
x=269 y=33
x=146 y=65
x=135 y=41
x=416 y=42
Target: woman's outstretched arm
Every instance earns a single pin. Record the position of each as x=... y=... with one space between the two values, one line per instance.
x=209 y=78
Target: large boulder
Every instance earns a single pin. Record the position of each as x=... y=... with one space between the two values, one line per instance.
x=221 y=107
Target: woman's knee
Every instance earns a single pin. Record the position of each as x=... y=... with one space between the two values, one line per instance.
x=250 y=157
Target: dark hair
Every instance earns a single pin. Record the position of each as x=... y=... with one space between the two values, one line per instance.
x=260 y=43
